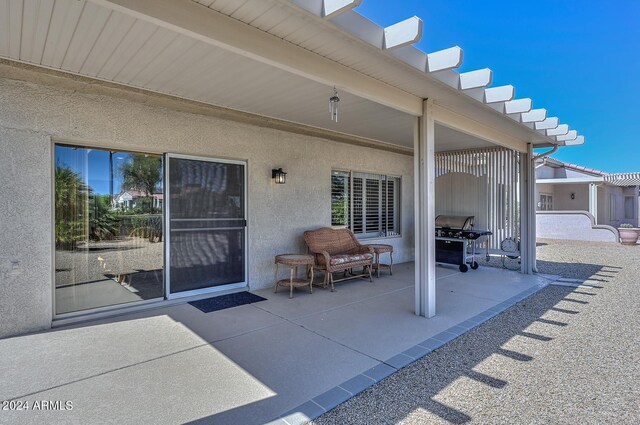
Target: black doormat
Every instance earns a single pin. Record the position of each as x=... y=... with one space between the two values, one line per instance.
x=226 y=301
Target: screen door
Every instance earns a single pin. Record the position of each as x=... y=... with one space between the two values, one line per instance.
x=207 y=225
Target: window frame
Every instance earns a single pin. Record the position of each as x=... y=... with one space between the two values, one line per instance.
x=632 y=198
x=383 y=217
x=612 y=207
x=108 y=310
x=545 y=201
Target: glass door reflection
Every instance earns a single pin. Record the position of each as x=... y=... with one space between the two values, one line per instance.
x=108 y=228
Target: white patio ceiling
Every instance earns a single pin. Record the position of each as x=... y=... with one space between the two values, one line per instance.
x=116 y=41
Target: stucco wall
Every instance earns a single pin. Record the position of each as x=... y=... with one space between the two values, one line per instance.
x=616 y=194
x=562 y=197
x=31 y=115
x=25 y=229
x=572 y=225
x=545 y=172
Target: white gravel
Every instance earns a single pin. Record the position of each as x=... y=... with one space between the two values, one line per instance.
x=563 y=356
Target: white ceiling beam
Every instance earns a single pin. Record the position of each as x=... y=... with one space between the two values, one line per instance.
x=499 y=94
x=534 y=115
x=492 y=95
x=444 y=59
x=411 y=55
x=549 y=123
x=357 y=25
x=465 y=81
x=575 y=142
x=516 y=106
x=331 y=8
x=191 y=19
x=448 y=118
x=475 y=79
x=560 y=130
x=571 y=135
x=403 y=33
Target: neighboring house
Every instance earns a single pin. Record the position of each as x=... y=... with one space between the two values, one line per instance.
x=223 y=97
x=131 y=198
x=561 y=188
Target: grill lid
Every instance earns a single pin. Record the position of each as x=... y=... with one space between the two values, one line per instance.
x=462 y=222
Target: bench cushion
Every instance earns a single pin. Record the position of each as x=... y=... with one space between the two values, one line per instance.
x=349 y=258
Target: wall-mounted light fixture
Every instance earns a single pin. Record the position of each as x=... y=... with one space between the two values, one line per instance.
x=279 y=176
x=573 y=196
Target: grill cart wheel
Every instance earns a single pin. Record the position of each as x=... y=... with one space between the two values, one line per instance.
x=474 y=265
x=463 y=268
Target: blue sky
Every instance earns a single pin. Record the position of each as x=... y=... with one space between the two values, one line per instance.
x=578 y=59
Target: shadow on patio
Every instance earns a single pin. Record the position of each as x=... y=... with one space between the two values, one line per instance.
x=253 y=363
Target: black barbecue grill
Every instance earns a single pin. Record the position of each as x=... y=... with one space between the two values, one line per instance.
x=456 y=241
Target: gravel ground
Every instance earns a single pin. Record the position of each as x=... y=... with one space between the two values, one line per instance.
x=563 y=356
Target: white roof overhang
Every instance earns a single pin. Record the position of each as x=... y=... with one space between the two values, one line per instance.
x=571 y=180
x=276 y=58
x=623 y=179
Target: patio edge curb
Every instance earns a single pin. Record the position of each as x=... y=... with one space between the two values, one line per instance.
x=314 y=408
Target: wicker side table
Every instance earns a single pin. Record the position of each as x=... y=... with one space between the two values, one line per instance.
x=381 y=249
x=293 y=261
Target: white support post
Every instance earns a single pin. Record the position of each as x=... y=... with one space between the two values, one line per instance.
x=524 y=207
x=531 y=190
x=527 y=212
x=424 y=191
x=637 y=197
x=593 y=200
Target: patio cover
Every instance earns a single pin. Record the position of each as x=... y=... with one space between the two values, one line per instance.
x=279 y=60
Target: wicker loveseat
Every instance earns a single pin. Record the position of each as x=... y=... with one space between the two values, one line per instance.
x=338 y=250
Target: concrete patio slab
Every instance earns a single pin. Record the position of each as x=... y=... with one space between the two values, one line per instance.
x=184 y=387
x=209 y=327
x=247 y=364
x=292 y=362
x=36 y=362
x=384 y=326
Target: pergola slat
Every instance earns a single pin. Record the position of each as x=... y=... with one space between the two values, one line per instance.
x=549 y=123
x=403 y=33
x=577 y=141
x=534 y=115
x=571 y=135
x=444 y=59
x=332 y=8
x=516 y=106
x=558 y=131
x=499 y=94
x=475 y=79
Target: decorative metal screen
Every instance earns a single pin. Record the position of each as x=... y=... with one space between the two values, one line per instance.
x=484 y=183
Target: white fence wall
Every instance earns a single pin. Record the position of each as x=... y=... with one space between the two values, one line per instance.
x=483 y=183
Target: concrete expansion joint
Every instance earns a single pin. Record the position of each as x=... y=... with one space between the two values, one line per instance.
x=107 y=372
x=314 y=332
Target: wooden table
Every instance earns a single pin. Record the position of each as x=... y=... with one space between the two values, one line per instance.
x=293 y=261
x=381 y=249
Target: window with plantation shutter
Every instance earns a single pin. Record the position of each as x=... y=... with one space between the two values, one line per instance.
x=340 y=189
x=368 y=204
x=357 y=206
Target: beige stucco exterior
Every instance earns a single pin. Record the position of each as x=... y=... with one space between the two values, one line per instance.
x=33 y=115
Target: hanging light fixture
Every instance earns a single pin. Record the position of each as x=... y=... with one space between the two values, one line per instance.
x=333 y=105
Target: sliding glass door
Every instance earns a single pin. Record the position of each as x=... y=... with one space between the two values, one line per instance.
x=108 y=228
x=206 y=225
